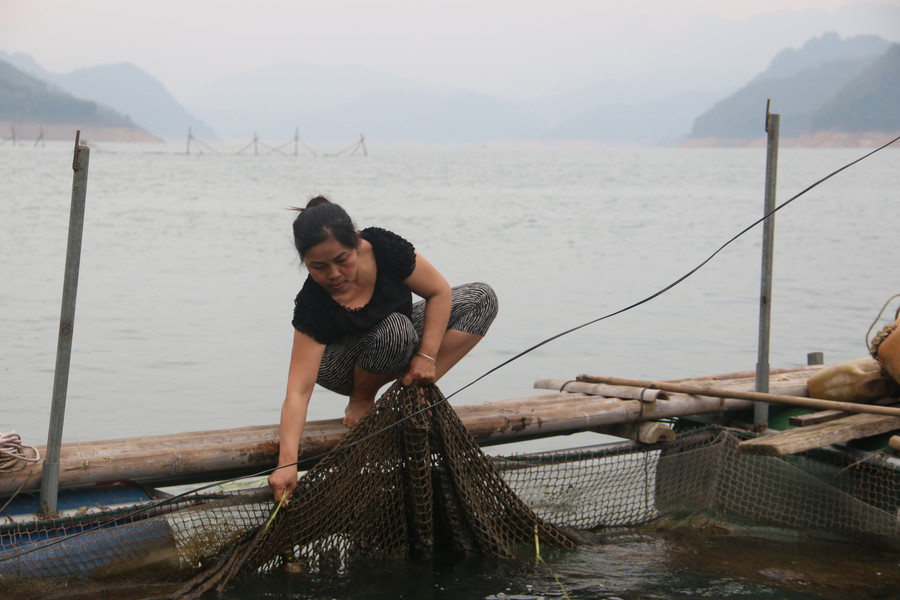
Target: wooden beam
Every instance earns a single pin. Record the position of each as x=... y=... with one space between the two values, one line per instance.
x=840 y=430
x=815 y=418
x=719 y=392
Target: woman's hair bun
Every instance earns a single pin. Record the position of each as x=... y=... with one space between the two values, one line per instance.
x=317 y=201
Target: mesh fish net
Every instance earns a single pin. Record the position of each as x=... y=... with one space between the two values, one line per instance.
x=410 y=481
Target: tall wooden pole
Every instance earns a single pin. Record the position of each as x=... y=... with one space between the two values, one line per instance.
x=761 y=409
x=50 y=473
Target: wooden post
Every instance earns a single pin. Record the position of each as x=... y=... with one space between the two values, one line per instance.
x=188 y=151
x=761 y=410
x=50 y=473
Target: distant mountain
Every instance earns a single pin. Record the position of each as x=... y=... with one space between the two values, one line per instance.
x=33 y=106
x=871 y=102
x=275 y=99
x=428 y=116
x=126 y=89
x=828 y=83
x=800 y=84
x=660 y=121
x=827 y=48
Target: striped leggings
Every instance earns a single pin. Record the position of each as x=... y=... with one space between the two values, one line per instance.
x=388 y=347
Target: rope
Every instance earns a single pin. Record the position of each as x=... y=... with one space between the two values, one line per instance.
x=12 y=451
x=885 y=332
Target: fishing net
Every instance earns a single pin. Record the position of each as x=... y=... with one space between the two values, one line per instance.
x=413 y=483
x=408 y=481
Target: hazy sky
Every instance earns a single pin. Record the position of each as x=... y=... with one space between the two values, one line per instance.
x=504 y=47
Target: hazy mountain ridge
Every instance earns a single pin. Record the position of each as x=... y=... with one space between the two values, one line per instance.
x=824 y=85
x=802 y=83
x=397 y=115
x=125 y=89
x=869 y=102
x=829 y=47
x=37 y=108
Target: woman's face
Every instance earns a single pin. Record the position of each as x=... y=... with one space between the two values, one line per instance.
x=332 y=265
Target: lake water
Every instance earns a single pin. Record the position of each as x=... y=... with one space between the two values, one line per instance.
x=188 y=275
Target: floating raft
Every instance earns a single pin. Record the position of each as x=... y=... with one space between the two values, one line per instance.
x=575 y=406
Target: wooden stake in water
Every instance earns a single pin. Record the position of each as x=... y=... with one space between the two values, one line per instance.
x=50 y=473
x=761 y=409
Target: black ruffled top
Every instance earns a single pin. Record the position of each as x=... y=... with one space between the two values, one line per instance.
x=317 y=314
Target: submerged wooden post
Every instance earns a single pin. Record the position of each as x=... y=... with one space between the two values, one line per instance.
x=50 y=473
x=761 y=409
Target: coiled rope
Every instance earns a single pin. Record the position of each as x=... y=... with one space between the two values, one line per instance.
x=12 y=451
x=885 y=331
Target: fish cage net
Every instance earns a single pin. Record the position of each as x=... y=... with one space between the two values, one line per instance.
x=410 y=481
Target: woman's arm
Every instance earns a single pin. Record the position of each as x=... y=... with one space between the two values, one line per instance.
x=306 y=356
x=427 y=282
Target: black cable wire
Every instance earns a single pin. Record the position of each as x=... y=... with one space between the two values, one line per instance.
x=486 y=373
x=680 y=279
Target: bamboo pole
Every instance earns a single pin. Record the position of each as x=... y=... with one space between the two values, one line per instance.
x=212 y=455
x=788 y=372
x=719 y=392
x=599 y=389
x=196 y=457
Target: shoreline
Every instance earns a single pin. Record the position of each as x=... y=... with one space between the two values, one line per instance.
x=32 y=132
x=820 y=139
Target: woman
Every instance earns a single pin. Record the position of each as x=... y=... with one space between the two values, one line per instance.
x=356 y=328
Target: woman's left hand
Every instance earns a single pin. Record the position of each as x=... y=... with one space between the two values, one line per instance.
x=421 y=371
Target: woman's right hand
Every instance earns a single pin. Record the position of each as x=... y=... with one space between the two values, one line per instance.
x=282 y=481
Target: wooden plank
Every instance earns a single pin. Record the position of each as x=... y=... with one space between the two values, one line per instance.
x=815 y=418
x=837 y=431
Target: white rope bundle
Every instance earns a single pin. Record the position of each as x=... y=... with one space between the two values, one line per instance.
x=12 y=450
